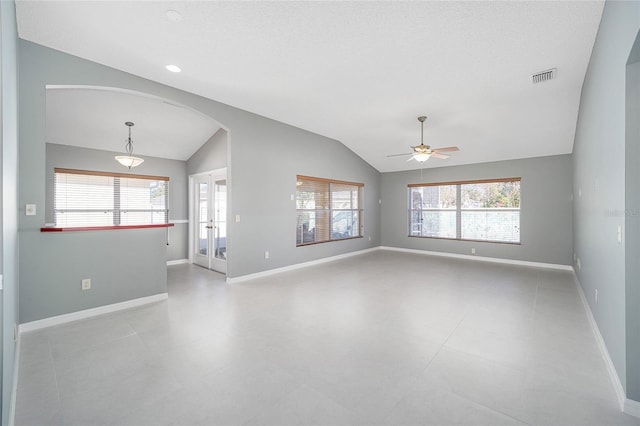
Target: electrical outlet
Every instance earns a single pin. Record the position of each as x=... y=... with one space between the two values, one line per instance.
x=237 y=218
x=86 y=284
x=292 y=197
x=266 y=254
x=574 y=257
x=579 y=264
x=369 y=237
x=473 y=251
x=30 y=209
x=596 y=295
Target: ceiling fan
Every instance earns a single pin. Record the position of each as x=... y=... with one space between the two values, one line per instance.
x=422 y=152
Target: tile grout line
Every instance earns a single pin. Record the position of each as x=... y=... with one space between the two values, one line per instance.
x=495 y=410
x=55 y=377
x=529 y=356
x=492 y=361
x=404 y=395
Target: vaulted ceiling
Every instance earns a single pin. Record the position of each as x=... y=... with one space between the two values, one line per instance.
x=93 y=117
x=358 y=72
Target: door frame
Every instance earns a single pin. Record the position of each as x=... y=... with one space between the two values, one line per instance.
x=192 y=212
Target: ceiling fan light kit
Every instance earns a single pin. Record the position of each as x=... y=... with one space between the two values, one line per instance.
x=422 y=152
x=420 y=158
x=129 y=160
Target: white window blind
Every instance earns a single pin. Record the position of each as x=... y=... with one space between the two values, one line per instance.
x=327 y=210
x=88 y=199
x=487 y=210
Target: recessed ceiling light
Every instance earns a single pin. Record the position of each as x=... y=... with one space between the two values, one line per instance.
x=173 y=68
x=173 y=15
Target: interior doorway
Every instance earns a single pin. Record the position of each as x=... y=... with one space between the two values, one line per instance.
x=208 y=233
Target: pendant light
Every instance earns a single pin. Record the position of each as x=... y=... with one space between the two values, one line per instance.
x=129 y=160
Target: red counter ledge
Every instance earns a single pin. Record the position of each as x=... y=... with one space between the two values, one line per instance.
x=105 y=228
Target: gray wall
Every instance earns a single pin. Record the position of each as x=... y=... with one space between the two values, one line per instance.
x=211 y=156
x=632 y=240
x=260 y=184
x=263 y=181
x=122 y=265
x=92 y=159
x=599 y=177
x=9 y=201
x=545 y=211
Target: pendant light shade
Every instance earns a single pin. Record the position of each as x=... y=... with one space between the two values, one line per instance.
x=129 y=160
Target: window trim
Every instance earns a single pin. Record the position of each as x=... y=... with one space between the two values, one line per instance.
x=466 y=182
x=339 y=182
x=458 y=208
x=111 y=174
x=360 y=208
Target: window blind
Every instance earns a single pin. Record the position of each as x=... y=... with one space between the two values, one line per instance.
x=327 y=210
x=484 y=210
x=89 y=198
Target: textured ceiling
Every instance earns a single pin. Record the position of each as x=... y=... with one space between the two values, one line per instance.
x=359 y=72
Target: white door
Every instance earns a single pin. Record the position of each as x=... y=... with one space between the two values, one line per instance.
x=210 y=211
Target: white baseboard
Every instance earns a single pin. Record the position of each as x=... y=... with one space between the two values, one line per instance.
x=88 y=313
x=177 y=262
x=297 y=266
x=632 y=407
x=482 y=258
x=14 y=390
x=405 y=250
x=613 y=374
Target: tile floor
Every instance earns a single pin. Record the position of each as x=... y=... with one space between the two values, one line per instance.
x=382 y=338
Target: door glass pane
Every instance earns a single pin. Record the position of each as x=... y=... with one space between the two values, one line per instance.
x=203 y=246
x=220 y=219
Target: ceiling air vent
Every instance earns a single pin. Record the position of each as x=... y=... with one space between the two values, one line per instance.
x=543 y=76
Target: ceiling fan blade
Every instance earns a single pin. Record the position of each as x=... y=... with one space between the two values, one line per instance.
x=398 y=155
x=438 y=155
x=447 y=149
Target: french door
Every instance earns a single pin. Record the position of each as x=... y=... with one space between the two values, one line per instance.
x=210 y=211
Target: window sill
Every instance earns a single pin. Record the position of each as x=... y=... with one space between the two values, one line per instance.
x=513 y=243
x=327 y=241
x=106 y=228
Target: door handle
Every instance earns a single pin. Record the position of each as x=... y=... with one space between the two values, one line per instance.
x=209 y=227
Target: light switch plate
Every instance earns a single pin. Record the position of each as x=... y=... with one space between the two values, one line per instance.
x=30 y=209
x=620 y=234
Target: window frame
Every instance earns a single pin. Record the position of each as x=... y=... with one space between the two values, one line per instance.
x=115 y=203
x=329 y=210
x=459 y=209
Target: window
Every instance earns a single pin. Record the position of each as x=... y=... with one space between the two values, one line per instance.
x=327 y=210
x=487 y=210
x=87 y=199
